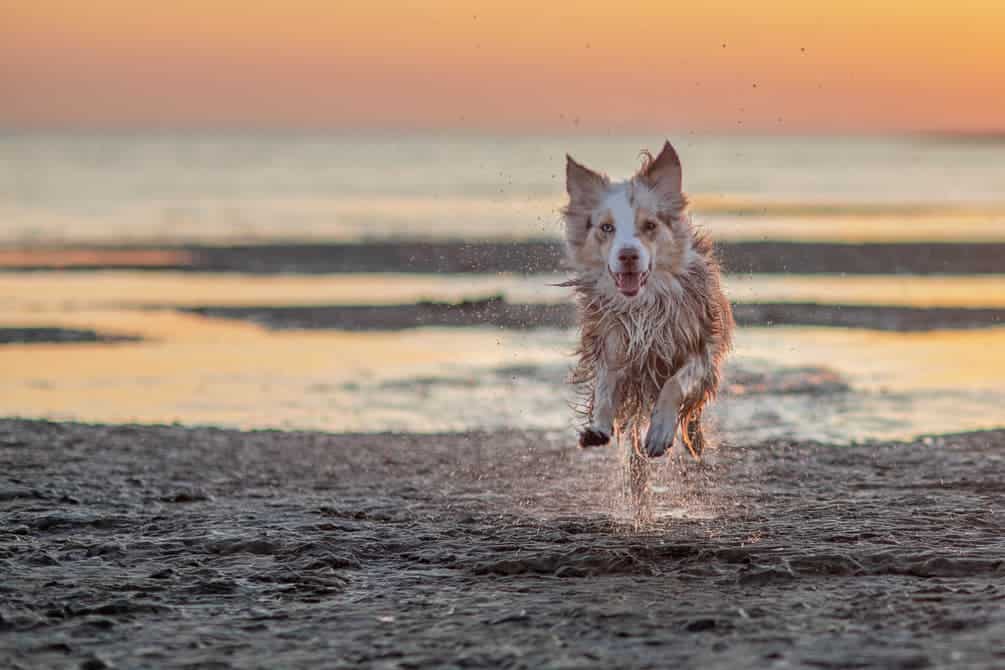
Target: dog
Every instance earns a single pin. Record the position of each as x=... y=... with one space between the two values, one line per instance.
x=655 y=325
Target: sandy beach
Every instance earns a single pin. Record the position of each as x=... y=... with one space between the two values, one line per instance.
x=152 y=546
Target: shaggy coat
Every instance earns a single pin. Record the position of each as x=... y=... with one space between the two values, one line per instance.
x=651 y=357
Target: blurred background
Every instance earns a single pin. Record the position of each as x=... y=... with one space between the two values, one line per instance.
x=344 y=216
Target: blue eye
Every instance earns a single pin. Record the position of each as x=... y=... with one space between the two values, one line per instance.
x=607 y=227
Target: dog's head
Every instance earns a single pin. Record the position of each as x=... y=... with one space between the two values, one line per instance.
x=622 y=232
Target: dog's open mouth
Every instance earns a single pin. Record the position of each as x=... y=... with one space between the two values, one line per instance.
x=630 y=283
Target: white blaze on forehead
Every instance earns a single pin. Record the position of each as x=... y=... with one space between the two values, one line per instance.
x=621 y=211
x=625 y=234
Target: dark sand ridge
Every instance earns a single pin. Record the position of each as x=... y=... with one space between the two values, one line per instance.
x=38 y=335
x=491 y=257
x=498 y=312
x=170 y=547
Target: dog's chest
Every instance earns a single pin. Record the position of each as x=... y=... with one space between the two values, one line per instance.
x=649 y=341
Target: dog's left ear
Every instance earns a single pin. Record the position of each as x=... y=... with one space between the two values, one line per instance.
x=663 y=173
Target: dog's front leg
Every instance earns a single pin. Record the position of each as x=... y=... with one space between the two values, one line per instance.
x=602 y=417
x=663 y=425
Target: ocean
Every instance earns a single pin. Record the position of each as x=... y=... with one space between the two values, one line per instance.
x=134 y=187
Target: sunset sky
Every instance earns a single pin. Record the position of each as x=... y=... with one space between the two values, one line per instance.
x=708 y=65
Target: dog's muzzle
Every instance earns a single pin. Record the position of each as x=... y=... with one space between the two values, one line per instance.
x=630 y=283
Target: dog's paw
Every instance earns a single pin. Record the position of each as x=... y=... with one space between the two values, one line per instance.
x=593 y=438
x=660 y=437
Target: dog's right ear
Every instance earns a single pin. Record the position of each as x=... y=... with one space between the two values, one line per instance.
x=583 y=184
x=663 y=173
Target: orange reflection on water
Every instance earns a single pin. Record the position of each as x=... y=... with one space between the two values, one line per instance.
x=888 y=290
x=55 y=291
x=61 y=292
x=961 y=360
x=204 y=371
x=207 y=371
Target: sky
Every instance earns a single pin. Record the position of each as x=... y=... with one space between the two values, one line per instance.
x=787 y=66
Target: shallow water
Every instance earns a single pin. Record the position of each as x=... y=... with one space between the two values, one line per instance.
x=59 y=291
x=827 y=384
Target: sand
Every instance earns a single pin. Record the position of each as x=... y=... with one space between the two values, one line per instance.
x=37 y=335
x=129 y=547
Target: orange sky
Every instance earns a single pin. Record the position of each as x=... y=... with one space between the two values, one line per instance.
x=776 y=65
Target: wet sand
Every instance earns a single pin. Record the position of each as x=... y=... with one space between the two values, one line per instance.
x=133 y=546
x=532 y=256
x=498 y=312
x=56 y=335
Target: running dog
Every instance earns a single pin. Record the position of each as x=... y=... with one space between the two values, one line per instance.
x=655 y=325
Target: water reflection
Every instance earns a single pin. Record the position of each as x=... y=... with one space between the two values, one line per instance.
x=202 y=371
x=60 y=291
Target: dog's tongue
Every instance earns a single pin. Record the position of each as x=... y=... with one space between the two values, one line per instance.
x=628 y=282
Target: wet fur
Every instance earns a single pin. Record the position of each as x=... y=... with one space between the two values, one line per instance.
x=681 y=315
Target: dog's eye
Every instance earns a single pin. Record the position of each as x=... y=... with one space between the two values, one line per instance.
x=607 y=227
x=649 y=226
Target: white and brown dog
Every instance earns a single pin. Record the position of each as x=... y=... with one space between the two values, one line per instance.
x=655 y=325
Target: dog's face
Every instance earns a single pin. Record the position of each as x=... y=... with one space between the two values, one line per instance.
x=624 y=231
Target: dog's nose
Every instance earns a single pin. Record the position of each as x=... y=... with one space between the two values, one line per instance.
x=628 y=256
